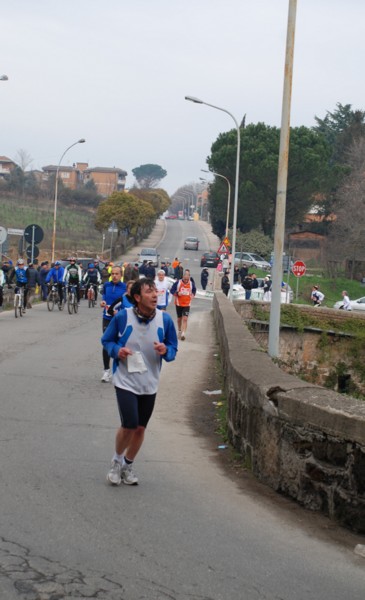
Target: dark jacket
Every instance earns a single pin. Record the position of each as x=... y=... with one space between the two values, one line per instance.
x=225 y=282
x=32 y=277
x=247 y=283
x=204 y=277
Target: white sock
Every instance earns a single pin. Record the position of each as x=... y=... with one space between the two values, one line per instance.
x=118 y=457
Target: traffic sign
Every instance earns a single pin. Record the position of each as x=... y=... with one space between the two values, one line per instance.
x=13 y=231
x=222 y=249
x=3 y=234
x=32 y=252
x=33 y=234
x=299 y=268
x=226 y=242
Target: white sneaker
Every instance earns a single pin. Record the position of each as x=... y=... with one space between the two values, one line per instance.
x=114 y=475
x=106 y=376
x=127 y=475
x=183 y=335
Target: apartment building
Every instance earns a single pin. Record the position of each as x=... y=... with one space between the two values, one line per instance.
x=107 y=180
x=6 y=166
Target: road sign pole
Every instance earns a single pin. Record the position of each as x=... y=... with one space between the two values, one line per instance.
x=32 y=255
x=296 y=294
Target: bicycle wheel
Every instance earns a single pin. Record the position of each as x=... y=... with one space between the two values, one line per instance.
x=70 y=303
x=16 y=305
x=50 y=301
x=75 y=303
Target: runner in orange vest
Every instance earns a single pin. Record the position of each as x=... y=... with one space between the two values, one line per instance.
x=184 y=291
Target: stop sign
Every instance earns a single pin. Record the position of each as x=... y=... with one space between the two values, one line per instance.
x=299 y=268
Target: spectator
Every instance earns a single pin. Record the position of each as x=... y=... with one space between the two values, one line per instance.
x=317 y=297
x=267 y=289
x=42 y=279
x=247 y=285
x=236 y=274
x=225 y=283
x=150 y=270
x=2 y=283
x=204 y=276
x=33 y=281
x=346 y=301
x=255 y=283
x=243 y=273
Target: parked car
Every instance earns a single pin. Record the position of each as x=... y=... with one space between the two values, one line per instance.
x=251 y=260
x=149 y=254
x=171 y=217
x=357 y=305
x=209 y=259
x=191 y=243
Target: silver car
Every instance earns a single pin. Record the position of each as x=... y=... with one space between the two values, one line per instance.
x=191 y=243
x=149 y=254
x=358 y=304
x=251 y=259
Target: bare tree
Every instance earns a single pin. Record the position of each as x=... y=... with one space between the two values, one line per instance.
x=23 y=159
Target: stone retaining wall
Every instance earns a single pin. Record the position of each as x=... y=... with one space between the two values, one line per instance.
x=298 y=438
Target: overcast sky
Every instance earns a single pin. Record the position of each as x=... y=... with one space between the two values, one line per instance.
x=116 y=73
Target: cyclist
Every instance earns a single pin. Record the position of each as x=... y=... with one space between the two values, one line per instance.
x=92 y=278
x=73 y=276
x=56 y=274
x=21 y=279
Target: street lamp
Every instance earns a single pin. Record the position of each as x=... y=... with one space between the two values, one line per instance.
x=4 y=78
x=229 y=195
x=81 y=141
x=197 y=101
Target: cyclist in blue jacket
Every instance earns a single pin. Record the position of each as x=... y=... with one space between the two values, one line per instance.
x=21 y=279
x=57 y=274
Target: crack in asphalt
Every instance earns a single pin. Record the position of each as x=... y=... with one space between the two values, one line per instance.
x=35 y=577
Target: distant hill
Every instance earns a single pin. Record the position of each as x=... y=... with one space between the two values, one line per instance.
x=75 y=231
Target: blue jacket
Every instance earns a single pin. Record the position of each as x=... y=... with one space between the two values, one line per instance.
x=117 y=334
x=56 y=275
x=111 y=292
x=21 y=276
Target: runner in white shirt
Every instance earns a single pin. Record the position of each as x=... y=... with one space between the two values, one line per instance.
x=163 y=287
x=346 y=301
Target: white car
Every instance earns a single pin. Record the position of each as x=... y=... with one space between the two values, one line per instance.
x=358 y=304
x=149 y=255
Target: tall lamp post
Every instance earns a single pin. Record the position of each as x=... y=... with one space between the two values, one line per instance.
x=229 y=195
x=197 y=101
x=81 y=141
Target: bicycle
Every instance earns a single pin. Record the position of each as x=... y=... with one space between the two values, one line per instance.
x=72 y=304
x=54 y=298
x=19 y=308
x=91 y=296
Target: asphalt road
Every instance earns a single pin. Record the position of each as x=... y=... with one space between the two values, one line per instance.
x=193 y=529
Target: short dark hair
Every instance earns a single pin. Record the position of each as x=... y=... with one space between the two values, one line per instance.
x=138 y=285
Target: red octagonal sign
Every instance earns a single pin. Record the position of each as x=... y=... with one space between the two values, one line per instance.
x=299 y=268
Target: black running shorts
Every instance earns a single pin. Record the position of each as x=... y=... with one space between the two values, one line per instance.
x=182 y=311
x=134 y=411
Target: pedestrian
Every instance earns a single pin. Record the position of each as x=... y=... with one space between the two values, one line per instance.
x=346 y=301
x=8 y=270
x=142 y=268
x=184 y=291
x=204 y=276
x=243 y=273
x=178 y=271
x=236 y=274
x=32 y=281
x=135 y=272
x=104 y=273
x=112 y=290
x=247 y=285
x=225 y=284
x=225 y=263
x=175 y=263
x=170 y=270
x=267 y=289
x=2 y=283
x=162 y=286
x=150 y=270
x=316 y=296
x=137 y=339
x=255 y=283
x=43 y=272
